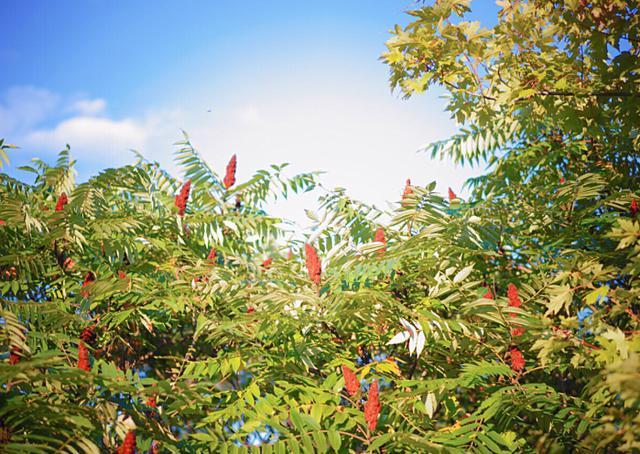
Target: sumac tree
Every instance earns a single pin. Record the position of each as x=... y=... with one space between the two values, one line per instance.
x=175 y=315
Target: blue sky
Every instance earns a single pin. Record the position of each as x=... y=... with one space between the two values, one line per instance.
x=285 y=81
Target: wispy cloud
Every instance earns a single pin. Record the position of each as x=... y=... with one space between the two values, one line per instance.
x=24 y=107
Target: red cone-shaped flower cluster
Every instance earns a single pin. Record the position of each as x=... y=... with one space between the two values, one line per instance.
x=380 y=238
x=69 y=263
x=129 y=444
x=314 y=267
x=562 y=180
x=372 y=406
x=407 y=191
x=267 y=263
x=121 y=274
x=634 y=207
x=83 y=357
x=151 y=412
x=514 y=299
x=14 y=357
x=2 y=222
x=88 y=279
x=62 y=201
x=350 y=381
x=488 y=295
x=88 y=334
x=517 y=360
x=230 y=176
x=181 y=199
x=452 y=195
x=212 y=255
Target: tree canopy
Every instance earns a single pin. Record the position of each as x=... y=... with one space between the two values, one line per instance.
x=146 y=312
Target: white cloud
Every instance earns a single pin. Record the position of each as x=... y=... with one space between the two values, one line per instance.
x=88 y=106
x=92 y=137
x=41 y=123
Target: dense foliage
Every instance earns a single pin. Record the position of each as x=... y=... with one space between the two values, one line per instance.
x=144 y=312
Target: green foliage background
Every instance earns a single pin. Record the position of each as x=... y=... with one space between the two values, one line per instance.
x=549 y=98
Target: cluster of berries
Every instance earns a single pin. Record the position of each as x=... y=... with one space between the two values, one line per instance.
x=517 y=360
x=89 y=278
x=407 y=192
x=372 y=406
x=380 y=238
x=314 y=267
x=14 y=355
x=230 y=176
x=182 y=197
x=84 y=363
x=129 y=444
x=62 y=201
